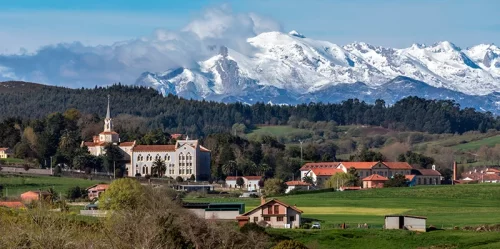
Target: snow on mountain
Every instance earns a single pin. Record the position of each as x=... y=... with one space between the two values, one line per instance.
x=292 y=66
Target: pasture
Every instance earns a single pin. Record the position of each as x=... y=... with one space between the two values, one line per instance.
x=475 y=145
x=15 y=185
x=444 y=206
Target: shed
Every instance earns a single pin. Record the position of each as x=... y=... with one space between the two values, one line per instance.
x=407 y=222
x=217 y=211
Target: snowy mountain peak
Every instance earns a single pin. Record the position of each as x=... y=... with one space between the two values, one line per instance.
x=297 y=34
x=445 y=46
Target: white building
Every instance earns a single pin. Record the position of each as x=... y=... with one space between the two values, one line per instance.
x=185 y=158
x=250 y=183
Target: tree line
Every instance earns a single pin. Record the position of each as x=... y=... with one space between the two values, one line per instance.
x=146 y=107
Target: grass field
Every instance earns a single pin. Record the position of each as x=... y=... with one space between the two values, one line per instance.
x=445 y=206
x=12 y=160
x=13 y=186
x=475 y=145
x=376 y=238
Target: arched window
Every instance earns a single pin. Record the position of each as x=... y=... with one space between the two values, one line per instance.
x=148 y=157
x=158 y=156
x=188 y=156
x=143 y=170
x=181 y=157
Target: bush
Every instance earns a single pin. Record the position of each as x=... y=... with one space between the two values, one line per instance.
x=75 y=193
x=179 y=179
x=57 y=171
x=305 y=226
x=137 y=175
x=290 y=244
x=252 y=227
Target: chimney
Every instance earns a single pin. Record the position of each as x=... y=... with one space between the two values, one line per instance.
x=454 y=171
x=262 y=200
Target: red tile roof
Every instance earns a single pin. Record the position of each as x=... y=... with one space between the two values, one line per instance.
x=12 y=204
x=297 y=183
x=233 y=178
x=487 y=170
x=253 y=177
x=127 y=144
x=108 y=133
x=98 y=187
x=429 y=172
x=326 y=171
x=359 y=165
x=4 y=149
x=153 y=148
x=490 y=177
x=308 y=166
x=410 y=177
x=397 y=165
x=375 y=177
x=273 y=200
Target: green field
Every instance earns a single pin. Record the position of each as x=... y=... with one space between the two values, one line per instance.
x=13 y=186
x=475 y=145
x=445 y=206
x=376 y=238
x=11 y=160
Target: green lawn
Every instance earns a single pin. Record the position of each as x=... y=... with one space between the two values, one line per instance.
x=475 y=145
x=13 y=186
x=445 y=206
x=12 y=160
x=376 y=238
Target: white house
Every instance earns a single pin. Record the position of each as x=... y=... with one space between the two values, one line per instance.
x=251 y=183
x=299 y=185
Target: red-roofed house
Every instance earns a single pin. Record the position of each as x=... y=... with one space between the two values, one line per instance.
x=30 y=196
x=428 y=176
x=386 y=169
x=96 y=190
x=374 y=181
x=273 y=213
x=492 y=171
x=299 y=185
x=251 y=183
x=12 y=204
x=320 y=175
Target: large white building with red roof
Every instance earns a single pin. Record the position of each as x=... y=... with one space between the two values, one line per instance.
x=185 y=158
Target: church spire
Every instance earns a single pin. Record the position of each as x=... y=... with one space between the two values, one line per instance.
x=108 y=115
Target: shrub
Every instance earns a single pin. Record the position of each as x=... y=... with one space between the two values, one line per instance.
x=57 y=171
x=26 y=167
x=75 y=193
x=179 y=179
x=137 y=174
x=252 y=227
x=290 y=244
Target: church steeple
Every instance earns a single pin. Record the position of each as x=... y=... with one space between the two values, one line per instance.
x=108 y=124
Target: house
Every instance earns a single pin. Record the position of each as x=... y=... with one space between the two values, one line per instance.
x=492 y=171
x=272 y=213
x=321 y=175
x=30 y=196
x=299 y=185
x=95 y=191
x=374 y=181
x=412 y=180
x=427 y=176
x=216 y=211
x=306 y=168
x=184 y=159
x=250 y=183
x=12 y=204
x=385 y=169
x=412 y=223
x=5 y=153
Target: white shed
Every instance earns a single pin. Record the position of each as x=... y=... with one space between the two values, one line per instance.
x=407 y=222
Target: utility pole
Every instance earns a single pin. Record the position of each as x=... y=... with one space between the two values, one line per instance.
x=301 y=161
x=51 y=165
x=114 y=170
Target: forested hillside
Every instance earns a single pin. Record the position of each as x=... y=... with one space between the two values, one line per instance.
x=201 y=118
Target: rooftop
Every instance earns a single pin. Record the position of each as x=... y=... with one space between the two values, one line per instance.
x=297 y=183
x=153 y=148
x=375 y=177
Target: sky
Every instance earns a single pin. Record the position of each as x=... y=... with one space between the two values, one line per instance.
x=27 y=25
x=95 y=42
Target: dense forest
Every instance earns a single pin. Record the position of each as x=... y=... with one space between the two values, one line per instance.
x=140 y=105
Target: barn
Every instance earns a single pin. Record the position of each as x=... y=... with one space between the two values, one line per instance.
x=407 y=222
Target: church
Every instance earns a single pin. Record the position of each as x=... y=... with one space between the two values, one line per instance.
x=185 y=158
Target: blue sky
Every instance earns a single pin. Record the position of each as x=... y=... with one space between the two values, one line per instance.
x=30 y=24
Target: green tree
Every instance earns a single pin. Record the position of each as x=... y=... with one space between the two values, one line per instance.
x=75 y=192
x=240 y=181
x=112 y=157
x=397 y=180
x=57 y=171
x=159 y=167
x=353 y=177
x=308 y=179
x=179 y=179
x=192 y=178
x=339 y=180
x=122 y=194
x=274 y=186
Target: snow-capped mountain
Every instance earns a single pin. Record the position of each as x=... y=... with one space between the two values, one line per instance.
x=291 y=68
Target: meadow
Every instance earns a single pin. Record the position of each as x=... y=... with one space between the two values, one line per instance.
x=15 y=185
x=444 y=206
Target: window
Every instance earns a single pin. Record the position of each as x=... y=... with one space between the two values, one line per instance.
x=267 y=219
x=276 y=209
x=255 y=219
x=292 y=218
x=280 y=218
x=270 y=209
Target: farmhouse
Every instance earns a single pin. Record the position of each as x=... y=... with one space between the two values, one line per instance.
x=184 y=159
x=412 y=223
x=299 y=185
x=5 y=153
x=30 y=196
x=250 y=183
x=96 y=190
x=374 y=181
x=272 y=213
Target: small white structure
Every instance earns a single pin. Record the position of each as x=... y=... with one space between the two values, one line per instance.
x=250 y=183
x=407 y=222
x=300 y=185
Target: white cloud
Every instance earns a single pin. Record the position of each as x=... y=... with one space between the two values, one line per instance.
x=76 y=64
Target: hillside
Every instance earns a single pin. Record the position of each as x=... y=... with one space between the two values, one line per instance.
x=199 y=118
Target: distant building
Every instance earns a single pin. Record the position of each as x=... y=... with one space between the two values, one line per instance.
x=216 y=211
x=95 y=191
x=185 y=158
x=273 y=213
x=298 y=185
x=406 y=222
x=250 y=183
x=427 y=176
x=30 y=196
x=5 y=153
x=374 y=181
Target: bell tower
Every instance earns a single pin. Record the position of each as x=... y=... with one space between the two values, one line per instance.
x=108 y=123
x=108 y=135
